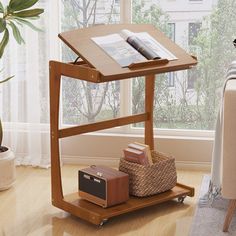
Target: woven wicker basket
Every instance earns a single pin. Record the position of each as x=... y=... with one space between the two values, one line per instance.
x=149 y=180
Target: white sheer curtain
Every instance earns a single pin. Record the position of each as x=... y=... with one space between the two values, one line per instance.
x=24 y=100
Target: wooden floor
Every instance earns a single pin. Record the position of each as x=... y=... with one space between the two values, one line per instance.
x=25 y=209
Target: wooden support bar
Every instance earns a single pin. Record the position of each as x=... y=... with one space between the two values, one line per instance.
x=81 y=129
x=229 y=214
x=55 y=78
x=79 y=71
x=149 y=63
x=191 y=190
x=149 y=97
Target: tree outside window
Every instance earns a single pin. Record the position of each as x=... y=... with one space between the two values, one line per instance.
x=85 y=102
x=210 y=39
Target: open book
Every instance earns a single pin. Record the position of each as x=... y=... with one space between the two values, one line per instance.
x=128 y=47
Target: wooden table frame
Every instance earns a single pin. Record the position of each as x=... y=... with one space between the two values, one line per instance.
x=84 y=70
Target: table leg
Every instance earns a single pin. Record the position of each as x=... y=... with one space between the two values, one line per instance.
x=56 y=184
x=229 y=214
x=149 y=97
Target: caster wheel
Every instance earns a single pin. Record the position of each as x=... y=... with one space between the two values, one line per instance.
x=181 y=199
x=103 y=222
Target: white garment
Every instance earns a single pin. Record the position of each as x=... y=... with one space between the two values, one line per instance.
x=217 y=155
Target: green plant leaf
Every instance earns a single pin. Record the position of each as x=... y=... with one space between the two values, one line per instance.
x=4 y=42
x=3 y=25
x=1 y=8
x=5 y=80
x=28 y=18
x=18 y=5
x=29 y=13
x=26 y=22
x=17 y=22
x=16 y=33
x=33 y=18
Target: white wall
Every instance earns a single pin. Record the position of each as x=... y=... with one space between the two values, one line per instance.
x=106 y=149
x=189 y=152
x=184 y=5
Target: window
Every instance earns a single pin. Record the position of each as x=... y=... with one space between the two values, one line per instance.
x=191 y=78
x=171 y=35
x=175 y=108
x=171 y=79
x=171 y=31
x=202 y=32
x=193 y=30
x=85 y=102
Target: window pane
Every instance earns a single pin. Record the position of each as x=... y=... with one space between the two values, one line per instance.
x=171 y=31
x=171 y=79
x=85 y=102
x=193 y=30
x=205 y=30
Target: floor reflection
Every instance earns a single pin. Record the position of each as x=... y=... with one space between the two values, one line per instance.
x=146 y=220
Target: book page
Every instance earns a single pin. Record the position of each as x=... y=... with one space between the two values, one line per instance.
x=142 y=47
x=152 y=43
x=116 y=47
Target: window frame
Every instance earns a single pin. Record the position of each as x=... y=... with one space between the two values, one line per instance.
x=125 y=101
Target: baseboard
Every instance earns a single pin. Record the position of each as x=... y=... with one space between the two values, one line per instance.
x=86 y=160
x=111 y=161
x=198 y=166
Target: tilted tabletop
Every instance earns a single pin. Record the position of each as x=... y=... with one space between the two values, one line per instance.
x=80 y=42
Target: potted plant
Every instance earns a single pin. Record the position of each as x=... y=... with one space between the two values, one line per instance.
x=15 y=15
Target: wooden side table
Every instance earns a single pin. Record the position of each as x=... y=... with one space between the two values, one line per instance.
x=96 y=66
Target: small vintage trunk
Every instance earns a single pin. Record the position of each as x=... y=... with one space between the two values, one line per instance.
x=103 y=186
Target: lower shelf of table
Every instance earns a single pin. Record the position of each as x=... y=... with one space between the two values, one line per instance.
x=97 y=215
